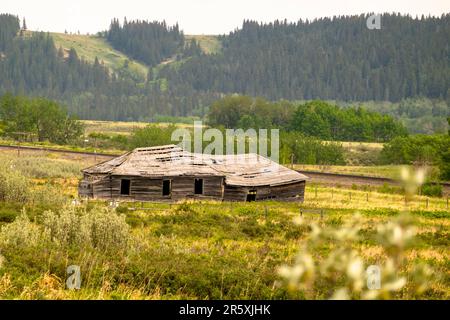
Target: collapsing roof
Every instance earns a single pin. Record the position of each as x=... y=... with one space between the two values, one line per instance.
x=170 y=161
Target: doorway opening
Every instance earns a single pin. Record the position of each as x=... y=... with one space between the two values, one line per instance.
x=167 y=188
x=251 y=195
x=198 y=186
x=125 y=187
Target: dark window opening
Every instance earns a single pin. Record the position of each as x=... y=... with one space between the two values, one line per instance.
x=198 y=186
x=125 y=187
x=251 y=195
x=167 y=188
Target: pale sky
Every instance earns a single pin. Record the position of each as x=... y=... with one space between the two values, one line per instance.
x=199 y=16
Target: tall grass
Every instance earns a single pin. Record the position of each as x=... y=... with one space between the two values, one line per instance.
x=207 y=250
x=41 y=166
x=219 y=250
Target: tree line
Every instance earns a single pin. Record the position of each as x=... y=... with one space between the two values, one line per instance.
x=149 y=42
x=38 y=119
x=293 y=145
x=316 y=119
x=420 y=149
x=328 y=58
x=31 y=64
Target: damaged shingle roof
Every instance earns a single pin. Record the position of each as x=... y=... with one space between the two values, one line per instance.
x=171 y=161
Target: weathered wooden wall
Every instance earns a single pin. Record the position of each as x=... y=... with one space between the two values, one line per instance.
x=288 y=192
x=233 y=193
x=293 y=192
x=150 y=189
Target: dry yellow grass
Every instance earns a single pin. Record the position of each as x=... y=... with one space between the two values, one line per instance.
x=120 y=127
x=335 y=198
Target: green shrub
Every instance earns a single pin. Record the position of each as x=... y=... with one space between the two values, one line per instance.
x=386 y=188
x=13 y=185
x=7 y=215
x=100 y=228
x=432 y=190
x=429 y=149
x=152 y=135
x=309 y=150
x=22 y=233
x=70 y=227
x=42 y=167
x=122 y=209
x=49 y=196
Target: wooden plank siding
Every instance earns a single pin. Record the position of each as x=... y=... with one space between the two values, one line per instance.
x=182 y=187
x=150 y=189
x=287 y=192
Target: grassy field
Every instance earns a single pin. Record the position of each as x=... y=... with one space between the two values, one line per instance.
x=111 y=127
x=388 y=171
x=120 y=127
x=200 y=250
x=210 y=44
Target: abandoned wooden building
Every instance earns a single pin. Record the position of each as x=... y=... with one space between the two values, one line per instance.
x=168 y=173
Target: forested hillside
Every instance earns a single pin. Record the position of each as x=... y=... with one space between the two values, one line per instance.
x=149 y=42
x=337 y=58
x=31 y=64
x=401 y=70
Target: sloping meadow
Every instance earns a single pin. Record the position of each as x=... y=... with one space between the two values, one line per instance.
x=214 y=250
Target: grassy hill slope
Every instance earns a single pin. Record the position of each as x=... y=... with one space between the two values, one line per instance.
x=210 y=44
x=90 y=47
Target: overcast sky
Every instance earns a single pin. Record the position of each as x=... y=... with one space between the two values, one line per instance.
x=198 y=16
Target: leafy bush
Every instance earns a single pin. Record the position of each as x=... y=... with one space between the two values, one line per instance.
x=307 y=150
x=45 y=119
x=424 y=149
x=432 y=190
x=99 y=228
x=22 y=233
x=386 y=188
x=152 y=135
x=41 y=166
x=13 y=185
x=70 y=227
x=343 y=268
